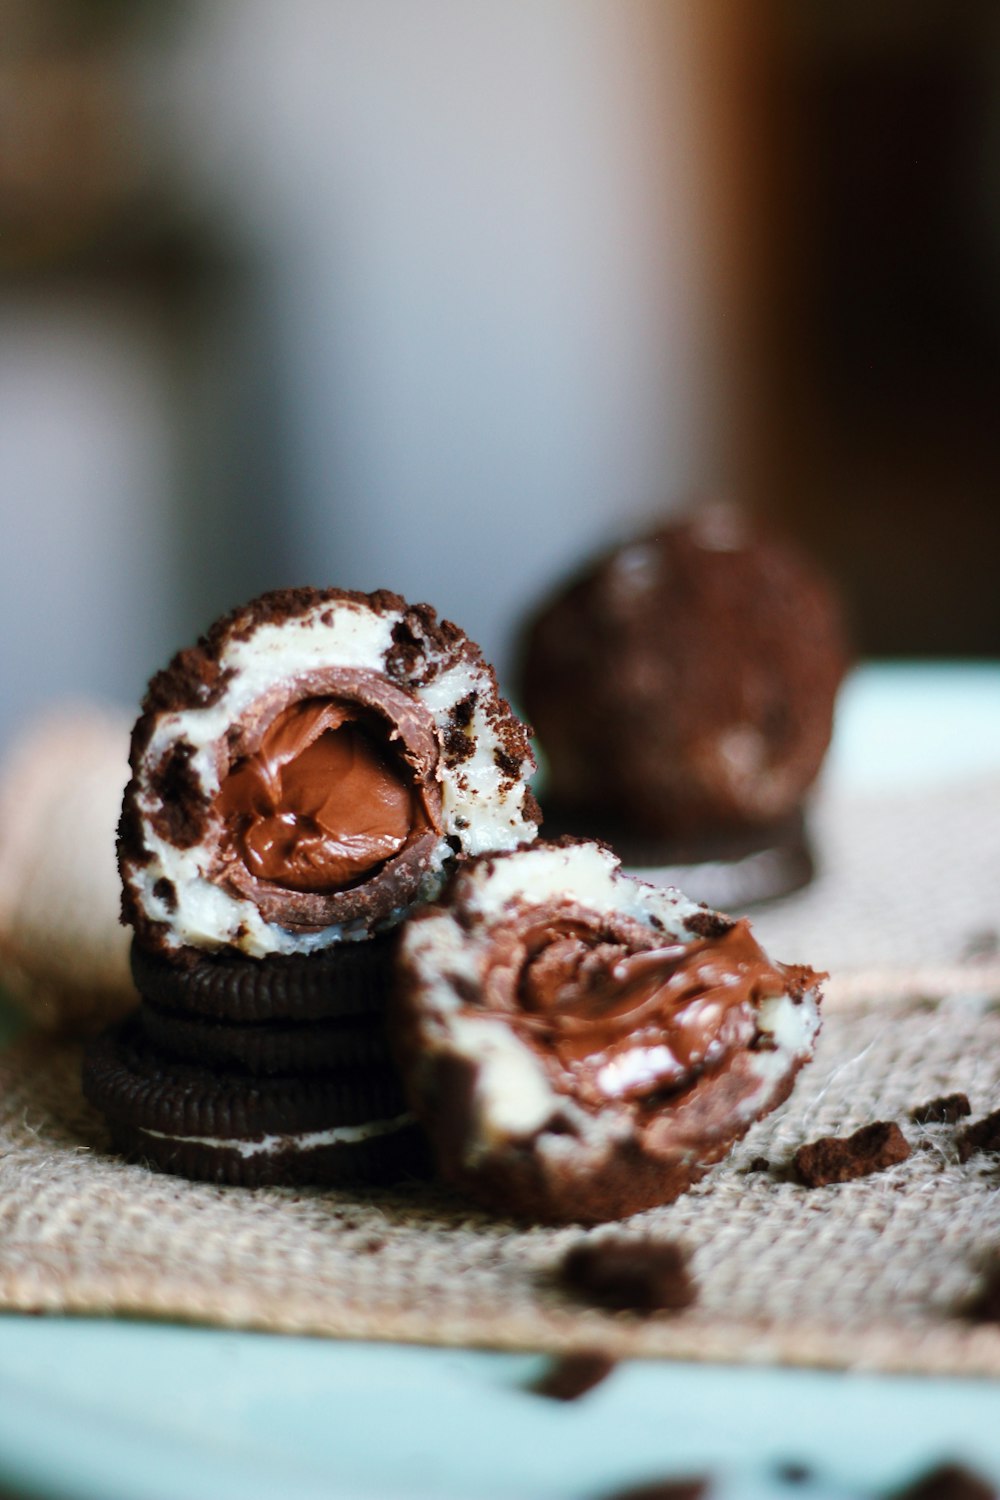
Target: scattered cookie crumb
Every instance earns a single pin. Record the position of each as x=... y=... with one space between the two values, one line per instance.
x=630 y=1275
x=985 y=1306
x=832 y=1159
x=758 y=1164
x=945 y=1110
x=948 y=1482
x=982 y=944
x=573 y=1375
x=793 y=1472
x=664 y=1489
x=984 y=1135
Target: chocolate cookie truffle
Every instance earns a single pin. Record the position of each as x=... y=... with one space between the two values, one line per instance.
x=580 y=1045
x=301 y=779
x=682 y=688
x=309 y=771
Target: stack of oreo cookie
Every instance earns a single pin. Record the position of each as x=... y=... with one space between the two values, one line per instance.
x=302 y=779
x=252 y=1073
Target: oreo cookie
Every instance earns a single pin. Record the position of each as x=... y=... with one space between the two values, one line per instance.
x=269 y=1048
x=350 y=979
x=335 y=1127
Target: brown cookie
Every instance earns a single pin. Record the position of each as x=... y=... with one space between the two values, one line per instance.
x=346 y=980
x=288 y=1048
x=238 y=1129
x=834 y=1159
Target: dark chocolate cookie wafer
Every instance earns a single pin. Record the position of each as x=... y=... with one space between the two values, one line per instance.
x=221 y=1127
x=274 y=1047
x=351 y=979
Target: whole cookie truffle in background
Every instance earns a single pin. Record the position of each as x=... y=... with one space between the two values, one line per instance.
x=682 y=687
x=301 y=780
x=63 y=953
x=580 y=1045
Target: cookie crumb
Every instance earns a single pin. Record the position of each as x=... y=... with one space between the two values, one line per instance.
x=630 y=1275
x=832 y=1159
x=948 y=1482
x=793 y=1472
x=985 y=1306
x=758 y=1164
x=984 y=1135
x=982 y=944
x=945 y=1110
x=573 y=1375
x=664 y=1489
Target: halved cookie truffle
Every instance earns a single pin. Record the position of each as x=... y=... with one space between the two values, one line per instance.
x=580 y=1045
x=310 y=770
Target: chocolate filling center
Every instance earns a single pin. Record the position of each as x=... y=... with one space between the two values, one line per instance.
x=615 y=1021
x=323 y=802
x=329 y=807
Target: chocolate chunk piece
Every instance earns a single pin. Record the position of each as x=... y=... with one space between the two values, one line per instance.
x=984 y=1135
x=948 y=1482
x=945 y=1110
x=630 y=1275
x=573 y=1375
x=833 y=1159
x=575 y=1052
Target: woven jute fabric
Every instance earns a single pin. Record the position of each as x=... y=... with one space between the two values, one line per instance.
x=876 y=1273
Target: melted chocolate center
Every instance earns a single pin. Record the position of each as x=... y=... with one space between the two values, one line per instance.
x=323 y=802
x=622 y=1024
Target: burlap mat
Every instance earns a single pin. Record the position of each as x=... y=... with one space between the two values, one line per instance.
x=874 y=1273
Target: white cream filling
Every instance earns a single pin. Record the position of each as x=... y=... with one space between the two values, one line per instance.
x=586 y=874
x=479 y=808
x=513 y=1097
x=310 y=1140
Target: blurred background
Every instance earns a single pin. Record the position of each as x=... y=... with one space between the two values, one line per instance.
x=440 y=297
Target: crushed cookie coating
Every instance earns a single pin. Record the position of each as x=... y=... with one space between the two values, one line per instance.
x=507 y=763
x=183 y=811
x=164 y=890
x=709 y=924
